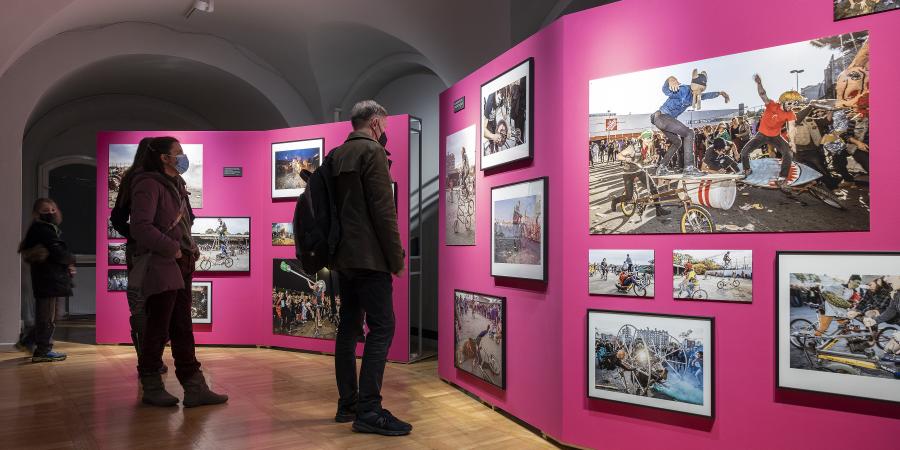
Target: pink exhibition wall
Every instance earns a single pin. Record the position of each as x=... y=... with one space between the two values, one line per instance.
x=546 y=346
x=242 y=303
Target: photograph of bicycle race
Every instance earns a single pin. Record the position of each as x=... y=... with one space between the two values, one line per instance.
x=621 y=272
x=846 y=322
x=116 y=253
x=122 y=155
x=304 y=305
x=505 y=116
x=848 y=9
x=117 y=280
x=725 y=275
x=651 y=360
x=201 y=302
x=289 y=160
x=282 y=234
x=479 y=323
x=772 y=140
x=460 y=184
x=224 y=243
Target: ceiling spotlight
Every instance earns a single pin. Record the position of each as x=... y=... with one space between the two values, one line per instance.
x=200 y=5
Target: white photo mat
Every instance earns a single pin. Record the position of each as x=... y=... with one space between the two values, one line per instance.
x=289 y=146
x=524 y=150
x=537 y=187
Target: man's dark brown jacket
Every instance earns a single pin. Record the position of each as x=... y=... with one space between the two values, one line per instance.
x=365 y=203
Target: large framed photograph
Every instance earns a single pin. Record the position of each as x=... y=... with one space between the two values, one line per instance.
x=459 y=182
x=655 y=360
x=122 y=155
x=506 y=116
x=116 y=280
x=838 y=323
x=115 y=253
x=289 y=159
x=519 y=230
x=224 y=243
x=665 y=145
x=621 y=272
x=721 y=275
x=282 y=234
x=479 y=342
x=305 y=305
x=848 y=9
x=201 y=302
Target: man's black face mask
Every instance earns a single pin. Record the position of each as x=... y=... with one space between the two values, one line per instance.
x=383 y=139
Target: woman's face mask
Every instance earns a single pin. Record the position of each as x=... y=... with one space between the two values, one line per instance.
x=182 y=163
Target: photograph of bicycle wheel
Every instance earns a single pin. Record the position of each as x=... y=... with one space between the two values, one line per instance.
x=769 y=140
x=459 y=207
x=306 y=305
x=621 y=272
x=719 y=275
x=839 y=323
x=115 y=253
x=479 y=322
x=506 y=116
x=656 y=360
x=224 y=243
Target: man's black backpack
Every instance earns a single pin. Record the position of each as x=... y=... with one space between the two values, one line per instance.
x=317 y=228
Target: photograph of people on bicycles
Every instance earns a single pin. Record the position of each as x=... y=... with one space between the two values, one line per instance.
x=721 y=275
x=304 y=305
x=478 y=336
x=460 y=186
x=631 y=274
x=224 y=243
x=738 y=143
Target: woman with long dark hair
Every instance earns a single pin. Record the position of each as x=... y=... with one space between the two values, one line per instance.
x=162 y=271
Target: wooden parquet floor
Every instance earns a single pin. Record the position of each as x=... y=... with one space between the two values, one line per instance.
x=277 y=400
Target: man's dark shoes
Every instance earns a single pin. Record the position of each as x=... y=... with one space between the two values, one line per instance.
x=381 y=422
x=345 y=414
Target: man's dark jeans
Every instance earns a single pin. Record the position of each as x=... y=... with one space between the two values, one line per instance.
x=679 y=135
x=168 y=317
x=44 y=324
x=371 y=293
x=761 y=140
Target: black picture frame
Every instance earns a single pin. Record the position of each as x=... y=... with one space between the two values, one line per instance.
x=779 y=377
x=503 y=312
x=209 y=311
x=529 y=112
x=110 y=273
x=709 y=355
x=545 y=200
x=212 y=266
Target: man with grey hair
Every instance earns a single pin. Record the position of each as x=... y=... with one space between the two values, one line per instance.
x=368 y=253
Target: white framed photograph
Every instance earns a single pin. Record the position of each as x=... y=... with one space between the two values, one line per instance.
x=459 y=183
x=122 y=155
x=519 y=230
x=621 y=272
x=224 y=244
x=656 y=360
x=838 y=323
x=201 y=302
x=479 y=336
x=715 y=275
x=289 y=160
x=506 y=116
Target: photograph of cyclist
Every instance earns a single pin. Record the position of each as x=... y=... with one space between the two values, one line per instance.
x=719 y=275
x=460 y=185
x=505 y=117
x=304 y=305
x=838 y=318
x=621 y=272
x=703 y=147
x=478 y=326
x=224 y=243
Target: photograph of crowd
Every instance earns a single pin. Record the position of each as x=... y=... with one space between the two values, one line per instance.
x=771 y=140
x=224 y=243
x=122 y=155
x=621 y=272
x=479 y=322
x=839 y=323
x=459 y=208
x=201 y=302
x=848 y=9
x=652 y=360
x=116 y=253
x=111 y=232
x=506 y=113
x=725 y=275
x=282 y=234
x=289 y=160
x=304 y=305
x=117 y=280
x=518 y=241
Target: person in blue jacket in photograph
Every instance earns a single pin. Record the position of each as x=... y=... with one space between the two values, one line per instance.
x=680 y=97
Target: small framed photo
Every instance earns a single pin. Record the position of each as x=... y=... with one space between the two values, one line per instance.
x=282 y=234
x=479 y=324
x=111 y=232
x=116 y=280
x=519 y=230
x=459 y=187
x=506 y=116
x=201 y=302
x=655 y=360
x=837 y=323
x=291 y=158
x=115 y=253
x=714 y=275
x=621 y=272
